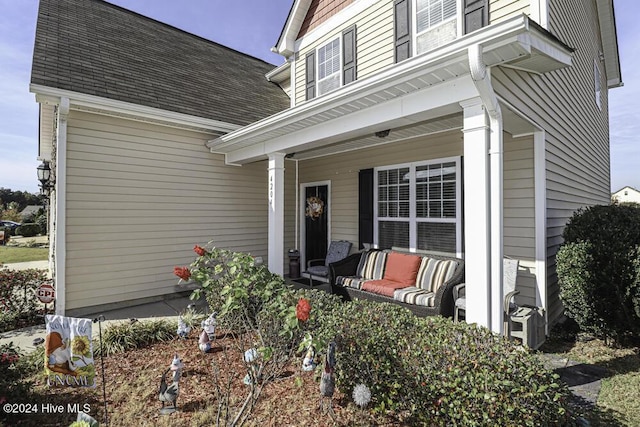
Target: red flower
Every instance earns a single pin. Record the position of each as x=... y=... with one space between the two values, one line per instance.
x=182 y=272
x=303 y=308
x=199 y=250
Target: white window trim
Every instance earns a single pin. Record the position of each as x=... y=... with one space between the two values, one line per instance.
x=317 y=65
x=413 y=219
x=414 y=24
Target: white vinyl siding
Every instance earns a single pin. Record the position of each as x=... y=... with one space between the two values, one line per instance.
x=342 y=170
x=501 y=10
x=374 y=44
x=140 y=196
x=577 y=141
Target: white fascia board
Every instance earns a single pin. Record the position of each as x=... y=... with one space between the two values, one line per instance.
x=545 y=45
x=494 y=35
x=441 y=100
x=105 y=105
x=609 y=37
x=280 y=73
x=286 y=44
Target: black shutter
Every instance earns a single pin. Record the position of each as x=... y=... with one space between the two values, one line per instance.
x=349 y=55
x=365 y=207
x=310 y=63
x=402 y=29
x=476 y=15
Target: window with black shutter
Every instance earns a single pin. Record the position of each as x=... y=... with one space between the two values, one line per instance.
x=476 y=15
x=310 y=63
x=402 y=29
x=349 y=55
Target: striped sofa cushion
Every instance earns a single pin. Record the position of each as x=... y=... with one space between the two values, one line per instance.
x=433 y=273
x=371 y=266
x=350 y=281
x=413 y=295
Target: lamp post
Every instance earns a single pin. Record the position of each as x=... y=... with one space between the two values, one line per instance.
x=44 y=176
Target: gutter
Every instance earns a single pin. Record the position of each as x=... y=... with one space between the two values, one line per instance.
x=482 y=80
x=59 y=273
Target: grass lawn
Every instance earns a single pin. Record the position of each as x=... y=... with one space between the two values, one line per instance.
x=11 y=254
x=619 y=398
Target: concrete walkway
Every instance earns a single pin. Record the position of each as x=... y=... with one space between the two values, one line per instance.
x=166 y=309
x=41 y=265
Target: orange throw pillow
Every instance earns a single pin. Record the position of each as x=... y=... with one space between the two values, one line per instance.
x=402 y=268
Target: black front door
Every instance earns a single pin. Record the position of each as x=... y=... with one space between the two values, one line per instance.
x=316 y=221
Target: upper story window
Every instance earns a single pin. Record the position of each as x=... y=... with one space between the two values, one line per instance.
x=329 y=66
x=597 y=84
x=423 y=25
x=436 y=23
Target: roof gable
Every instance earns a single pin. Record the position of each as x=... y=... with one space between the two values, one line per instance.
x=96 y=48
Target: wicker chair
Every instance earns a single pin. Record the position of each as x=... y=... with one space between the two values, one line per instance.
x=510 y=273
x=319 y=268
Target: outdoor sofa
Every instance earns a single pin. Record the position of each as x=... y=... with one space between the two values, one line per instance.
x=423 y=283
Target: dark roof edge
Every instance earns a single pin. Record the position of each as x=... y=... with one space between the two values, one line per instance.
x=182 y=31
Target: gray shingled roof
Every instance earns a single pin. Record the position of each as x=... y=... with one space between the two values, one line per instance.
x=96 y=48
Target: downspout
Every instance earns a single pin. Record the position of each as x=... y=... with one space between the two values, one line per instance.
x=60 y=207
x=482 y=79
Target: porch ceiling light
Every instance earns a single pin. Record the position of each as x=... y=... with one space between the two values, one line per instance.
x=44 y=176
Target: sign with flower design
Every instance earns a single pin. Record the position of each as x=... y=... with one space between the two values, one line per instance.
x=315 y=208
x=68 y=352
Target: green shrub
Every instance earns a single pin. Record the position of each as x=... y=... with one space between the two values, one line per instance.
x=42 y=221
x=28 y=230
x=598 y=270
x=124 y=336
x=442 y=373
x=17 y=297
x=12 y=388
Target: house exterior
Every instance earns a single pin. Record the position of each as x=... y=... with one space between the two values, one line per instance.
x=473 y=128
x=626 y=195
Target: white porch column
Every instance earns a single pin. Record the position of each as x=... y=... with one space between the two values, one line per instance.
x=477 y=219
x=60 y=219
x=276 y=213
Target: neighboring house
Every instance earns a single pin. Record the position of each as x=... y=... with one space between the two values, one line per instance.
x=472 y=128
x=30 y=212
x=626 y=195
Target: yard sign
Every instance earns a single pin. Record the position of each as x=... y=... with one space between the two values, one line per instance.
x=68 y=356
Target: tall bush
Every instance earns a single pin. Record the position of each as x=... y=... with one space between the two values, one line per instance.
x=17 y=297
x=598 y=270
x=433 y=372
x=28 y=230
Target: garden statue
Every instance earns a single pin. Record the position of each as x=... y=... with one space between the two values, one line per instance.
x=209 y=326
x=168 y=393
x=328 y=379
x=183 y=328
x=308 y=363
x=250 y=357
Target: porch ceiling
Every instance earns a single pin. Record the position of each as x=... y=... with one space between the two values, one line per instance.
x=418 y=96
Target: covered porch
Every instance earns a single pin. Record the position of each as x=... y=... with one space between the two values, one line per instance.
x=452 y=166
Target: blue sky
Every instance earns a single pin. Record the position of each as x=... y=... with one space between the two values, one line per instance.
x=253 y=27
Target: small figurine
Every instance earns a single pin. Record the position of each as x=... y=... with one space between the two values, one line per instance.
x=183 y=328
x=209 y=326
x=204 y=343
x=250 y=357
x=169 y=392
x=308 y=363
x=328 y=379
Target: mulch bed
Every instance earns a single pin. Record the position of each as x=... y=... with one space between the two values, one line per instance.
x=132 y=381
